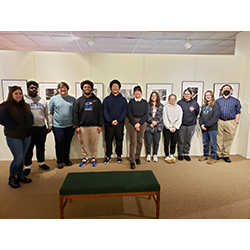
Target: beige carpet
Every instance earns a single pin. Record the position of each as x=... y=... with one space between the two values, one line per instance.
x=189 y=190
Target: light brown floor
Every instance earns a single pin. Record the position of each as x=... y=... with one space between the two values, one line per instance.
x=188 y=190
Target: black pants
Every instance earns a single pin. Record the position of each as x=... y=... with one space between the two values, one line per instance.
x=173 y=137
x=112 y=132
x=63 y=137
x=38 y=138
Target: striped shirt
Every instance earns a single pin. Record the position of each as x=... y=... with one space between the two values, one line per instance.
x=229 y=107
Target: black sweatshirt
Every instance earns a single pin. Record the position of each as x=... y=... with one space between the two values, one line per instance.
x=137 y=110
x=88 y=112
x=16 y=125
x=209 y=116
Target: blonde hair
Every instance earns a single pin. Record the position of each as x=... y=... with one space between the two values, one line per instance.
x=212 y=102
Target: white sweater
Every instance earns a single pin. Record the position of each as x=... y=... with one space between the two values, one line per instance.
x=40 y=110
x=172 y=116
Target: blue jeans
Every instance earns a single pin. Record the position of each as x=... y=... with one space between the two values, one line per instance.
x=18 y=148
x=210 y=136
x=63 y=137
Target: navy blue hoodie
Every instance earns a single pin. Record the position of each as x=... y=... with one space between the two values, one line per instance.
x=114 y=108
x=190 y=110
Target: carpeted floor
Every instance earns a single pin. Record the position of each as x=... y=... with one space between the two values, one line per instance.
x=189 y=190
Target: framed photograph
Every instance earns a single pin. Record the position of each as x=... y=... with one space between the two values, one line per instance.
x=47 y=90
x=163 y=89
x=218 y=93
x=98 y=90
x=196 y=88
x=7 y=84
x=127 y=90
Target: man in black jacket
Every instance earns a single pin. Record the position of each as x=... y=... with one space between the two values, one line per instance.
x=88 y=119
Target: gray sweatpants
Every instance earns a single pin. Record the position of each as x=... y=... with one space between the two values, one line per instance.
x=184 y=139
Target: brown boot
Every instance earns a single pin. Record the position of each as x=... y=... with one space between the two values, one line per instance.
x=211 y=161
x=203 y=158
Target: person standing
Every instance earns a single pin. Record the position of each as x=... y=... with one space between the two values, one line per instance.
x=137 y=114
x=40 y=110
x=230 y=108
x=172 y=118
x=115 y=112
x=16 y=117
x=88 y=119
x=190 y=109
x=62 y=110
x=208 y=121
x=154 y=125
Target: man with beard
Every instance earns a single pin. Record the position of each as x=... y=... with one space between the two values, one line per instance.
x=40 y=111
x=227 y=123
x=88 y=121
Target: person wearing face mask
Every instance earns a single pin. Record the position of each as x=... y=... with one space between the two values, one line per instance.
x=228 y=120
x=40 y=110
x=208 y=121
x=154 y=125
x=88 y=120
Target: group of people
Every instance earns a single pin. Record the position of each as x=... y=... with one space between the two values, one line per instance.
x=28 y=119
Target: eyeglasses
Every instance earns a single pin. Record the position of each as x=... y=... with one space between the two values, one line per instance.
x=63 y=88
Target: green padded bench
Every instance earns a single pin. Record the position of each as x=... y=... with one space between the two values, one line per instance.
x=109 y=184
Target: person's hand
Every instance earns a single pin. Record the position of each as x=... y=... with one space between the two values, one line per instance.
x=203 y=127
x=151 y=125
x=99 y=130
x=114 y=122
x=172 y=130
x=137 y=126
x=154 y=123
x=78 y=131
x=49 y=130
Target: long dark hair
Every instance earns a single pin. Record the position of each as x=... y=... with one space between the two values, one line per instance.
x=10 y=102
x=158 y=100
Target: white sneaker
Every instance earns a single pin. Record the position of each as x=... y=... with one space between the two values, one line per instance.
x=148 y=158
x=155 y=158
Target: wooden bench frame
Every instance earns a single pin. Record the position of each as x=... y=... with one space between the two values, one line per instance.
x=81 y=196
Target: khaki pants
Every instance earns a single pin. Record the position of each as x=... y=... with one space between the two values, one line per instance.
x=135 y=137
x=226 y=132
x=89 y=135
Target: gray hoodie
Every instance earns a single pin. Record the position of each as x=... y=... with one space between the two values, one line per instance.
x=40 y=110
x=172 y=116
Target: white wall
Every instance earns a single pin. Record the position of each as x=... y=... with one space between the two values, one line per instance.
x=128 y=68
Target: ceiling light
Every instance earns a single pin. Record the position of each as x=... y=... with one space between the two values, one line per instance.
x=188 y=45
x=91 y=42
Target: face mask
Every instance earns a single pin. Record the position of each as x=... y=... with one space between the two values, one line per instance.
x=226 y=92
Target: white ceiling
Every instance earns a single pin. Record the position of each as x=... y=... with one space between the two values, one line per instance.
x=132 y=42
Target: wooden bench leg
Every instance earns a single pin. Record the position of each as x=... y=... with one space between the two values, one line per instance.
x=158 y=206
x=61 y=207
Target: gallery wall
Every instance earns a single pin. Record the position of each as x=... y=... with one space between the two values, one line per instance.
x=129 y=68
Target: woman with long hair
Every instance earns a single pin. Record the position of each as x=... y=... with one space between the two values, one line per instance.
x=154 y=125
x=16 y=117
x=172 y=118
x=209 y=116
x=190 y=109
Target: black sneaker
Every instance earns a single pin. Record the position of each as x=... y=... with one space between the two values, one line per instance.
x=137 y=161
x=60 y=165
x=180 y=157
x=68 y=163
x=187 y=158
x=13 y=182
x=107 y=160
x=26 y=171
x=119 y=159
x=24 y=180
x=44 y=167
x=132 y=165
